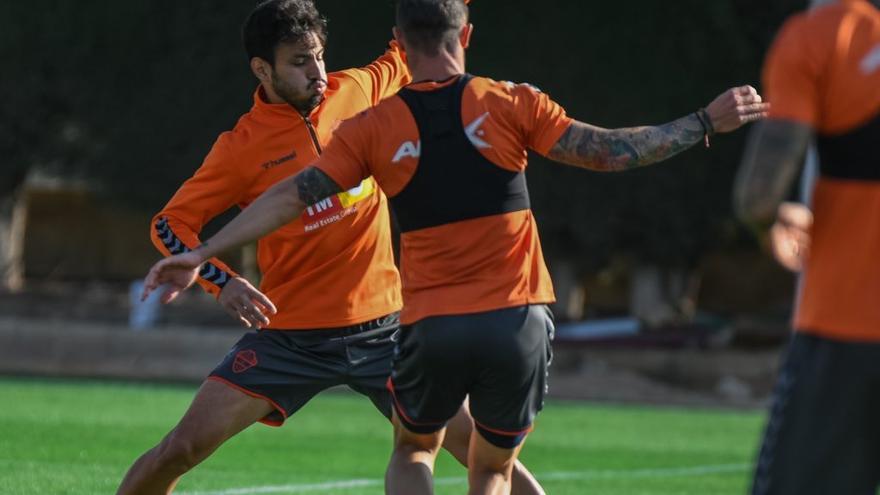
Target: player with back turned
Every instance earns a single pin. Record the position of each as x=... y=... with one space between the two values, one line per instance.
x=822 y=75
x=450 y=151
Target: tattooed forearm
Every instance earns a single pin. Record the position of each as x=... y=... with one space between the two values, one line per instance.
x=601 y=149
x=313 y=185
x=770 y=165
x=276 y=207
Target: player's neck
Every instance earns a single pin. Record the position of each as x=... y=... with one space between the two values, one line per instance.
x=437 y=68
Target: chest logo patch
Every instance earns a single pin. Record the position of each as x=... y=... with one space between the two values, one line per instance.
x=335 y=208
x=279 y=161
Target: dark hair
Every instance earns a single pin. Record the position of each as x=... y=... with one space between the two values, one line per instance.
x=428 y=25
x=280 y=21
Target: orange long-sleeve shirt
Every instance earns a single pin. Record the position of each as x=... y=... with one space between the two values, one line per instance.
x=332 y=267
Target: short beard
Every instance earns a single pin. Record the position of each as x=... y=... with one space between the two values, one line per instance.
x=300 y=104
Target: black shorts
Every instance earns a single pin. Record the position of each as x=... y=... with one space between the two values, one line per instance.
x=823 y=433
x=288 y=368
x=499 y=358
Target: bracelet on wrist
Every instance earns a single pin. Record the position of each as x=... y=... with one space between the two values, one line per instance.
x=708 y=121
x=704 y=120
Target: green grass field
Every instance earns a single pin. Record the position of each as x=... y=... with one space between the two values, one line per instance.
x=63 y=437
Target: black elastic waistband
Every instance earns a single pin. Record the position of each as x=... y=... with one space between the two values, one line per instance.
x=378 y=325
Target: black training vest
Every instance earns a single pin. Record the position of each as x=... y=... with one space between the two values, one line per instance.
x=452 y=181
x=853 y=155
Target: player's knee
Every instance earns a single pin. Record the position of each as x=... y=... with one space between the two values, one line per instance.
x=421 y=443
x=180 y=452
x=406 y=440
x=414 y=453
x=481 y=475
x=496 y=454
x=457 y=440
x=459 y=428
x=492 y=464
x=415 y=445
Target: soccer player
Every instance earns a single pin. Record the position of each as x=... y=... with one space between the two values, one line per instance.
x=331 y=272
x=822 y=75
x=450 y=152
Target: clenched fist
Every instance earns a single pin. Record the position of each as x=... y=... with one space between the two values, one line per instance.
x=736 y=107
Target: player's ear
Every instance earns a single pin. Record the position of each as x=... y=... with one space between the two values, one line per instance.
x=464 y=36
x=398 y=37
x=262 y=69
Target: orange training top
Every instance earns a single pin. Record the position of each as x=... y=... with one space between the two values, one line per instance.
x=332 y=267
x=480 y=263
x=824 y=71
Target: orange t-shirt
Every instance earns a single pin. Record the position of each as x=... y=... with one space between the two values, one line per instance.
x=824 y=71
x=469 y=266
x=333 y=266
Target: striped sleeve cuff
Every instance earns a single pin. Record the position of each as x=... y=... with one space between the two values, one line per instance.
x=210 y=272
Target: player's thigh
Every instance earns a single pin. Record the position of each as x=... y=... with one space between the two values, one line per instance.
x=217 y=413
x=283 y=368
x=459 y=428
x=821 y=435
x=510 y=390
x=431 y=372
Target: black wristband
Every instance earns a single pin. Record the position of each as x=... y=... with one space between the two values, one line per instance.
x=706 y=121
x=700 y=118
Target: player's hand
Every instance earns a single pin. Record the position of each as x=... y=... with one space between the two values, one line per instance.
x=246 y=304
x=790 y=235
x=736 y=107
x=176 y=273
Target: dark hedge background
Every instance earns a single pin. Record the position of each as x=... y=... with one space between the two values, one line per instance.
x=130 y=96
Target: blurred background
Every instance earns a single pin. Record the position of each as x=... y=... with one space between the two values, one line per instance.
x=109 y=106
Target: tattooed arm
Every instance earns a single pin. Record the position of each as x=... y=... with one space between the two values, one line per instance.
x=595 y=148
x=278 y=206
x=771 y=162
x=592 y=147
x=773 y=156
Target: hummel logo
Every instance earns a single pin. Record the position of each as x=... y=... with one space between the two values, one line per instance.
x=279 y=161
x=408 y=149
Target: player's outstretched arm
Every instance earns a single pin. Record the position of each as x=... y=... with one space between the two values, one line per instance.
x=773 y=157
x=279 y=205
x=596 y=148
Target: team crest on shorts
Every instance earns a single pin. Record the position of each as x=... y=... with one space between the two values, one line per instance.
x=244 y=360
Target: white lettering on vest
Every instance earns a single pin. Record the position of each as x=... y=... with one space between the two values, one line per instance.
x=408 y=149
